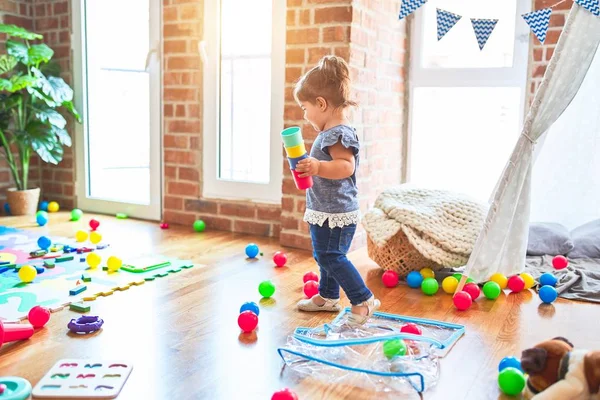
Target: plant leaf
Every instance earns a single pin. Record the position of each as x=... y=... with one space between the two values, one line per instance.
x=18 y=50
x=63 y=136
x=53 y=87
x=20 y=82
x=71 y=108
x=43 y=141
x=51 y=116
x=40 y=53
x=7 y=63
x=18 y=32
x=6 y=85
x=37 y=92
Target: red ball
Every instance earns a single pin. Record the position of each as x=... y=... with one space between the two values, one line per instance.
x=94 y=224
x=310 y=276
x=279 y=258
x=311 y=288
x=247 y=321
x=164 y=225
x=285 y=394
x=462 y=300
x=516 y=283
x=38 y=316
x=411 y=328
x=390 y=278
x=473 y=290
x=560 y=262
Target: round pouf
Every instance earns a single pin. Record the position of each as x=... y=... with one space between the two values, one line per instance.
x=548 y=294
x=15 y=388
x=414 y=279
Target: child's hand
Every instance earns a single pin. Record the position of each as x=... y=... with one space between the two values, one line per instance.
x=308 y=167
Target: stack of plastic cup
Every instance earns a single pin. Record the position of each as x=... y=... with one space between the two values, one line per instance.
x=296 y=151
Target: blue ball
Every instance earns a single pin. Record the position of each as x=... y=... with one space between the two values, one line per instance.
x=414 y=279
x=40 y=270
x=41 y=218
x=44 y=242
x=548 y=294
x=44 y=206
x=548 y=279
x=252 y=250
x=7 y=208
x=508 y=362
x=250 y=306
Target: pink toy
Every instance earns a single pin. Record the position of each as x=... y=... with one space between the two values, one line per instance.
x=285 y=394
x=411 y=328
x=38 y=316
x=473 y=290
x=302 y=183
x=310 y=276
x=14 y=332
x=390 y=279
x=247 y=321
x=94 y=224
x=516 y=283
x=311 y=288
x=462 y=300
x=560 y=262
x=279 y=258
x=164 y=225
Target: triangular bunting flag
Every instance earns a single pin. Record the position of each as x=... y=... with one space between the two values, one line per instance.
x=538 y=21
x=592 y=6
x=409 y=6
x=445 y=21
x=483 y=29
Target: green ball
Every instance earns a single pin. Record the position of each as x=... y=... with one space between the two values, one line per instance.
x=491 y=290
x=266 y=289
x=199 y=225
x=76 y=214
x=393 y=348
x=430 y=286
x=511 y=381
x=459 y=276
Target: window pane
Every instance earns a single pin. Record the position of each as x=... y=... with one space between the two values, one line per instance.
x=245 y=109
x=462 y=137
x=459 y=48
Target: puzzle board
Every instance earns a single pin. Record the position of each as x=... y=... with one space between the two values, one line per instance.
x=51 y=287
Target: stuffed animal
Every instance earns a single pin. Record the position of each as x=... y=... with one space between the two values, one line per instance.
x=558 y=371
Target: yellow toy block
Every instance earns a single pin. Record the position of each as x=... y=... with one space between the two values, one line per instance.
x=90 y=298
x=137 y=283
x=296 y=151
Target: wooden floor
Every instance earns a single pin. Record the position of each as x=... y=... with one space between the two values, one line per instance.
x=182 y=337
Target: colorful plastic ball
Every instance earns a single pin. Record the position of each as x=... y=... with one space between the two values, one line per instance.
x=81 y=236
x=473 y=290
x=114 y=263
x=427 y=273
x=199 y=225
x=280 y=258
x=516 y=283
x=93 y=260
x=500 y=279
x=311 y=288
x=449 y=284
x=462 y=300
x=44 y=205
x=511 y=381
x=27 y=273
x=394 y=348
x=266 y=289
x=548 y=294
x=164 y=225
x=459 y=277
x=284 y=394
x=491 y=290
x=41 y=217
x=252 y=250
x=414 y=279
x=528 y=279
x=53 y=206
x=548 y=279
x=247 y=321
x=250 y=306
x=509 y=362
x=560 y=262
x=430 y=286
x=44 y=242
x=95 y=237
x=94 y=224
x=310 y=276
x=7 y=208
x=390 y=278
x=38 y=316
x=76 y=214
x=411 y=328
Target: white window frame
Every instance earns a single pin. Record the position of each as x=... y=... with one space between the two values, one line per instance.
x=513 y=76
x=213 y=186
x=152 y=211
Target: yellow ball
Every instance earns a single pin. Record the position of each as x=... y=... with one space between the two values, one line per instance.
x=53 y=206
x=427 y=273
x=95 y=237
x=81 y=236
x=114 y=263
x=93 y=260
x=27 y=273
x=500 y=279
x=529 y=281
x=449 y=284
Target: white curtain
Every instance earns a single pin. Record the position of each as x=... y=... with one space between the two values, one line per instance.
x=502 y=244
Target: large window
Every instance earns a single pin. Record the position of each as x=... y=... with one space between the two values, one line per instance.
x=466 y=104
x=244 y=59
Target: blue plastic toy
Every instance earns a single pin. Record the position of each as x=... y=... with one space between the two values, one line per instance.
x=548 y=294
x=252 y=250
x=250 y=306
x=41 y=218
x=414 y=279
x=508 y=362
x=44 y=242
x=7 y=208
x=15 y=388
x=44 y=206
x=548 y=279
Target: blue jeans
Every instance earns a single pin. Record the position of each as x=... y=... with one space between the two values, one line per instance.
x=330 y=247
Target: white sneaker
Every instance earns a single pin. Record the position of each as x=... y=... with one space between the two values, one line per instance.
x=372 y=305
x=331 y=305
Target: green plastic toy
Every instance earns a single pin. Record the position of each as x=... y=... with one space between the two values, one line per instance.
x=430 y=286
x=491 y=290
x=76 y=214
x=394 y=348
x=266 y=289
x=511 y=381
x=199 y=225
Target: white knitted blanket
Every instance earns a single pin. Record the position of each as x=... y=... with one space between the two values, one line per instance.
x=443 y=226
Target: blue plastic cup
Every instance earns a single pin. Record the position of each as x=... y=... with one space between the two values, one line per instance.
x=294 y=161
x=292 y=136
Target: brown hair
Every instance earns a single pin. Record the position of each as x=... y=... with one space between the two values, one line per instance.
x=329 y=79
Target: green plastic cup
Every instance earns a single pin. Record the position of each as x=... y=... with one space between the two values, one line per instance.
x=292 y=136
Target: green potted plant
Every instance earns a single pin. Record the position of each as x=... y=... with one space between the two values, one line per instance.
x=31 y=95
